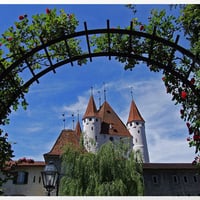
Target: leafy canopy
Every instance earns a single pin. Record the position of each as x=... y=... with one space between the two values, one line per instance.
x=106 y=173
x=27 y=35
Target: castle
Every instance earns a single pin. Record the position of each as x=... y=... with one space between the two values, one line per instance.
x=99 y=126
x=102 y=125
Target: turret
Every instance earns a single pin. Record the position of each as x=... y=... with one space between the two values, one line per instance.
x=136 y=127
x=91 y=126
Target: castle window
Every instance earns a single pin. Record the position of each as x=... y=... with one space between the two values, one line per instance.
x=131 y=124
x=185 y=179
x=21 y=178
x=138 y=131
x=175 y=179
x=195 y=179
x=96 y=120
x=33 y=179
x=96 y=137
x=90 y=119
x=111 y=138
x=137 y=123
x=92 y=128
x=39 y=179
x=155 y=179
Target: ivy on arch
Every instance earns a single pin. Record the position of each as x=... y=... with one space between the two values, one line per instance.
x=32 y=48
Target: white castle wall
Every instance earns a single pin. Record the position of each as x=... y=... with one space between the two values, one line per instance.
x=93 y=139
x=137 y=130
x=91 y=130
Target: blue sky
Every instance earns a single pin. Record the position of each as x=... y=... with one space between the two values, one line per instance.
x=36 y=129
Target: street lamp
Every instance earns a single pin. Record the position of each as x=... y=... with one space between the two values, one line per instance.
x=50 y=177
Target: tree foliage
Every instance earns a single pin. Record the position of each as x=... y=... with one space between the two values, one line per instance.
x=28 y=35
x=106 y=173
x=24 y=36
x=6 y=153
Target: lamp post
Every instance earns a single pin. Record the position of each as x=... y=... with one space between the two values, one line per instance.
x=50 y=177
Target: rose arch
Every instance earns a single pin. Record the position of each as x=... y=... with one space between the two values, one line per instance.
x=51 y=41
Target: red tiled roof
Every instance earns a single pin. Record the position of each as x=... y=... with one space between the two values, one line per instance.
x=35 y=163
x=65 y=137
x=134 y=114
x=12 y=164
x=91 y=108
x=111 y=123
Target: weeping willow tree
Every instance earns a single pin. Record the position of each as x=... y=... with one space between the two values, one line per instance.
x=109 y=172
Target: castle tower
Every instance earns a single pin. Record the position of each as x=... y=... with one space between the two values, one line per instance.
x=136 y=127
x=91 y=126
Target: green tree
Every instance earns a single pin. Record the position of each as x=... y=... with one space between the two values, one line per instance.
x=107 y=173
x=6 y=153
x=27 y=35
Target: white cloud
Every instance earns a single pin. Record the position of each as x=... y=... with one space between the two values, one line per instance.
x=34 y=128
x=166 y=149
x=79 y=106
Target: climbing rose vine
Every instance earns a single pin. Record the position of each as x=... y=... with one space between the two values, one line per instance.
x=182 y=81
x=27 y=34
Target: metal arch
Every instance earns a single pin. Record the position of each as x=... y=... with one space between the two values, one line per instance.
x=86 y=32
x=109 y=53
x=102 y=54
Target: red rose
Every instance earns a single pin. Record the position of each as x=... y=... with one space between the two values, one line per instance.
x=0 y=44
x=10 y=39
x=21 y=17
x=183 y=95
x=141 y=28
x=192 y=81
x=48 y=11
x=196 y=137
x=163 y=78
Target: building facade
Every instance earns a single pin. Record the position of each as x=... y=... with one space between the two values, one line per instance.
x=27 y=179
x=171 y=179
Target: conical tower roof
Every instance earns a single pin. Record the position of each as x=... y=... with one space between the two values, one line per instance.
x=111 y=123
x=91 y=110
x=134 y=114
